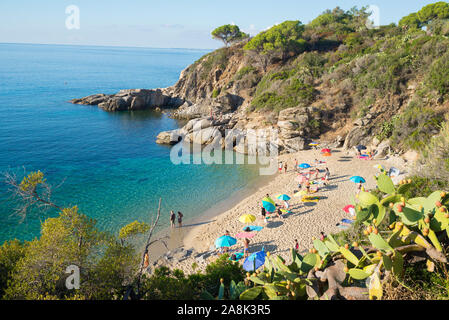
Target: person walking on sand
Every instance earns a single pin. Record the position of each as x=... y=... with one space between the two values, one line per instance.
x=285 y=167
x=246 y=247
x=172 y=218
x=326 y=176
x=322 y=236
x=225 y=249
x=359 y=187
x=280 y=167
x=296 y=245
x=264 y=215
x=279 y=213
x=180 y=215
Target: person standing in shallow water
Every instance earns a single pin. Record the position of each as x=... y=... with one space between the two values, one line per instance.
x=180 y=215
x=172 y=219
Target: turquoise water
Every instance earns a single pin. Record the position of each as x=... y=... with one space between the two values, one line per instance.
x=108 y=163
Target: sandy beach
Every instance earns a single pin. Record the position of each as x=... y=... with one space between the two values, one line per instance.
x=305 y=221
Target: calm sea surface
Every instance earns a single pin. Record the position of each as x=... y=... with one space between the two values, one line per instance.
x=106 y=163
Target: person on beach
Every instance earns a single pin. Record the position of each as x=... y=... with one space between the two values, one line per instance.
x=180 y=215
x=264 y=215
x=285 y=167
x=326 y=176
x=307 y=186
x=280 y=167
x=359 y=187
x=146 y=262
x=172 y=219
x=279 y=213
x=246 y=247
x=296 y=165
x=322 y=236
x=225 y=249
x=296 y=245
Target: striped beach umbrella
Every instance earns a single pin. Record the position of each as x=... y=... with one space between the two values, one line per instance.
x=269 y=204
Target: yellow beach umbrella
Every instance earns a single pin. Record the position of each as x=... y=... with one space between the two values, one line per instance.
x=300 y=193
x=247 y=218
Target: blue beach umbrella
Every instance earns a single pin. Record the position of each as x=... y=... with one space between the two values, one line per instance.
x=254 y=261
x=304 y=166
x=225 y=241
x=357 y=179
x=283 y=197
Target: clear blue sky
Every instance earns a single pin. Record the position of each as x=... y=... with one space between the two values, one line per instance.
x=165 y=23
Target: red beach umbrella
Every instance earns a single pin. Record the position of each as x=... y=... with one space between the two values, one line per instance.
x=326 y=151
x=350 y=206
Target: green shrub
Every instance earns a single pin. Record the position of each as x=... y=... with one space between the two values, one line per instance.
x=165 y=284
x=423 y=185
x=216 y=92
x=438 y=77
x=224 y=269
x=282 y=37
x=244 y=71
x=10 y=253
x=415 y=126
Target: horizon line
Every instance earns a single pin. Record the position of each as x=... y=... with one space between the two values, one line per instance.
x=107 y=46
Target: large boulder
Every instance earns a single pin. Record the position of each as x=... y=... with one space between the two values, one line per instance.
x=295 y=144
x=92 y=100
x=204 y=136
x=133 y=99
x=382 y=150
x=358 y=135
x=170 y=137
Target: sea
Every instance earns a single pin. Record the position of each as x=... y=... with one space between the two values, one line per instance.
x=107 y=164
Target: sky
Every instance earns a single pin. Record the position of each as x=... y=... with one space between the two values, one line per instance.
x=164 y=23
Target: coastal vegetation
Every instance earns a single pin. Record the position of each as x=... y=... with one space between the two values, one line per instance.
x=228 y=34
x=345 y=67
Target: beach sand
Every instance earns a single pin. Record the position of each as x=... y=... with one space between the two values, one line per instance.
x=306 y=220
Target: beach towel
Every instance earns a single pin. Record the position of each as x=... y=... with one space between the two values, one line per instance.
x=285 y=211
x=253 y=228
x=238 y=256
x=310 y=199
x=347 y=221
